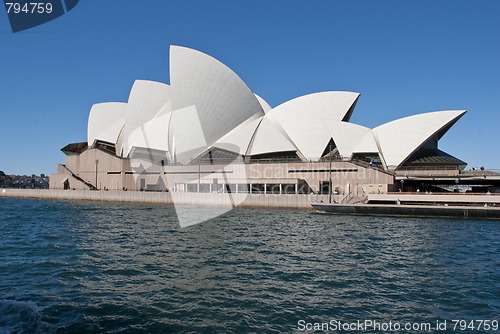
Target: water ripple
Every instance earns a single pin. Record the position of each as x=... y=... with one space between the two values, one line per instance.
x=71 y=267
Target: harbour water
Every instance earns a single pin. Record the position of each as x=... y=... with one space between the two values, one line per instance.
x=92 y=267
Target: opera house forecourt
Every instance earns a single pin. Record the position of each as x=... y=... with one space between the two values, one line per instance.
x=207 y=132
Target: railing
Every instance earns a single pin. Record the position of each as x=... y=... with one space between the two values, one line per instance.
x=250 y=160
x=413 y=168
x=442 y=193
x=365 y=164
x=361 y=200
x=88 y=184
x=347 y=198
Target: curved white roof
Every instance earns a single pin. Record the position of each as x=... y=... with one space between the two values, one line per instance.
x=303 y=119
x=154 y=133
x=401 y=138
x=239 y=138
x=268 y=139
x=208 y=105
x=265 y=106
x=146 y=100
x=221 y=98
x=348 y=136
x=106 y=120
x=367 y=144
x=186 y=135
x=332 y=105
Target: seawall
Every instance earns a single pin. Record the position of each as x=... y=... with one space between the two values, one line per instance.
x=291 y=201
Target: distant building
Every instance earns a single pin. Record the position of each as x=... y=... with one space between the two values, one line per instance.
x=24 y=181
x=208 y=132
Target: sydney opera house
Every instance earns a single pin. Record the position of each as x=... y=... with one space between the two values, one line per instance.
x=208 y=132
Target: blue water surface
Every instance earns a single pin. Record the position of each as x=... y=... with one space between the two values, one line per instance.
x=89 y=267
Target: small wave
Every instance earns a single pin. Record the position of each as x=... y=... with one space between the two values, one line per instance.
x=22 y=317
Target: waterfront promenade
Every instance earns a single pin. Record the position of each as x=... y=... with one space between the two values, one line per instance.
x=291 y=201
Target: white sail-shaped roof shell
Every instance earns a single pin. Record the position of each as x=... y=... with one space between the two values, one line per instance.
x=265 y=106
x=186 y=135
x=399 y=139
x=147 y=100
x=106 y=120
x=239 y=139
x=312 y=140
x=154 y=133
x=208 y=106
x=348 y=137
x=367 y=144
x=303 y=119
x=268 y=139
x=223 y=101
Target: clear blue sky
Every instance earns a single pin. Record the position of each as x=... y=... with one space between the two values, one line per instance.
x=404 y=57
